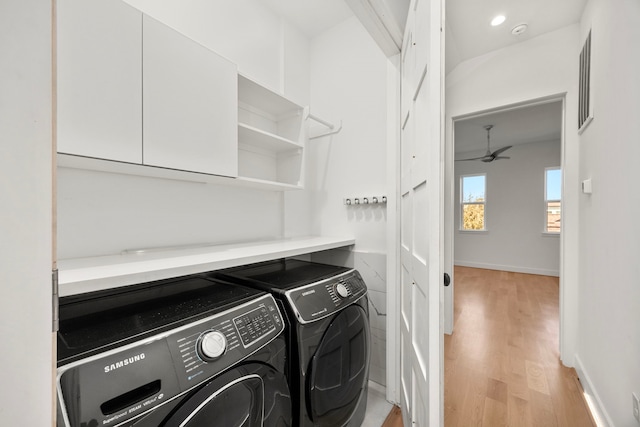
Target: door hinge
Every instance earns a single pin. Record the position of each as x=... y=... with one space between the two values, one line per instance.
x=54 y=300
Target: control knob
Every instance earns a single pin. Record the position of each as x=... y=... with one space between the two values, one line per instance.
x=212 y=345
x=341 y=290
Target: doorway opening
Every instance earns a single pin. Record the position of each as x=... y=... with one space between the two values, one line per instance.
x=514 y=234
x=525 y=154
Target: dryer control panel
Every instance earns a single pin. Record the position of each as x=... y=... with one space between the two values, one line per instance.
x=321 y=299
x=127 y=382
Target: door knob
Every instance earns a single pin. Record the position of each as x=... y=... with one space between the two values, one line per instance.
x=447 y=279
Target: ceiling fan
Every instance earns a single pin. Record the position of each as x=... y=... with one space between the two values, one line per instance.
x=489 y=156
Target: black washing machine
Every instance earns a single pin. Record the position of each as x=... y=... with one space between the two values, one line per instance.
x=185 y=352
x=329 y=339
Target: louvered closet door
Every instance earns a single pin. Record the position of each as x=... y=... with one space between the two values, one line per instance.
x=420 y=257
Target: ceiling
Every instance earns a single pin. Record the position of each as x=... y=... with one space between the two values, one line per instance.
x=311 y=17
x=469 y=33
x=537 y=123
x=468 y=30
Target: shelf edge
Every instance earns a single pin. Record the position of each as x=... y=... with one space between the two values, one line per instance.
x=109 y=272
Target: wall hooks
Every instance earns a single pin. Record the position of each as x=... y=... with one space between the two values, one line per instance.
x=365 y=200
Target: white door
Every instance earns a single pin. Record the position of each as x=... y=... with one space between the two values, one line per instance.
x=421 y=218
x=27 y=356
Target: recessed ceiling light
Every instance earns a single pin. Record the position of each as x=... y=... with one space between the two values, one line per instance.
x=498 y=20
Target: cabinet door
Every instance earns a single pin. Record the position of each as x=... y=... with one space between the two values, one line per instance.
x=190 y=104
x=99 y=67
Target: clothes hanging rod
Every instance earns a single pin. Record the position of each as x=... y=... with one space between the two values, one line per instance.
x=333 y=130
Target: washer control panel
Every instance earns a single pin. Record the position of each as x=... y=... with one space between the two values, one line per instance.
x=214 y=344
x=321 y=299
x=253 y=325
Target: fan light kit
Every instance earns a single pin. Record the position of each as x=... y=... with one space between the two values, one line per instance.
x=490 y=156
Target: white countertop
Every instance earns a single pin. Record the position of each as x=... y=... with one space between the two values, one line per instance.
x=105 y=272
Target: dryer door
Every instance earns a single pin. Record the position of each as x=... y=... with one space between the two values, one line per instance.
x=339 y=369
x=237 y=398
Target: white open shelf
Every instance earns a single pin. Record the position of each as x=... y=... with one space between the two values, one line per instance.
x=262 y=98
x=90 y=274
x=272 y=131
x=253 y=136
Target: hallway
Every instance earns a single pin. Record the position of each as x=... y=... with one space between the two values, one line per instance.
x=502 y=364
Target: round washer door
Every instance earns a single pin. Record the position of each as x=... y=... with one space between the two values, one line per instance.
x=339 y=369
x=252 y=395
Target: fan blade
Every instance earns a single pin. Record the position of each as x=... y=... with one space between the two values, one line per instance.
x=502 y=157
x=501 y=150
x=475 y=158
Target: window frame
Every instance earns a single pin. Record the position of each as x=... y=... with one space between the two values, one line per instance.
x=546 y=201
x=463 y=203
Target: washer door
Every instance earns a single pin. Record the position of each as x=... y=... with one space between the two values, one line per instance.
x=339 y=369
x=237 y=399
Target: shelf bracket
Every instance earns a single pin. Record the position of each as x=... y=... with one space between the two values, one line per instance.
x=332 y=128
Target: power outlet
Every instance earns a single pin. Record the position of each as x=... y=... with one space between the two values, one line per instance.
x=636 y=406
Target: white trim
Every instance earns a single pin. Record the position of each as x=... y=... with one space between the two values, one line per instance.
x=511 y=268
x=485 y=231
x=393 y=230
x=596 y=407
x=377 y=19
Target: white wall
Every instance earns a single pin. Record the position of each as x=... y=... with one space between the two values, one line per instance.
x=609 y=341
x=537 y=68
x=26 y=194
x=349 y=83
x=514 y=213
x=102 y=213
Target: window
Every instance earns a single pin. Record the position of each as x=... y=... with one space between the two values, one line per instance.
x=553 y=199
x=472 y=202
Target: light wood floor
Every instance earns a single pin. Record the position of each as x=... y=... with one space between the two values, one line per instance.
x=502 y=365
x=394 y=419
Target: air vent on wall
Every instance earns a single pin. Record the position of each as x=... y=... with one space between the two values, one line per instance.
x=585 y=114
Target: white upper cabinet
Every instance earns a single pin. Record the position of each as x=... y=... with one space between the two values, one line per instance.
x=189 y=104
x=99 y=80
x=136 y=96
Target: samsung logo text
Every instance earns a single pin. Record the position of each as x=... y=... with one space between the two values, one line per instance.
x=124 y=362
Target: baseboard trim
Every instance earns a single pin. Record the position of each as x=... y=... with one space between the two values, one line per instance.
x=511 y=268
x=595 y=403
